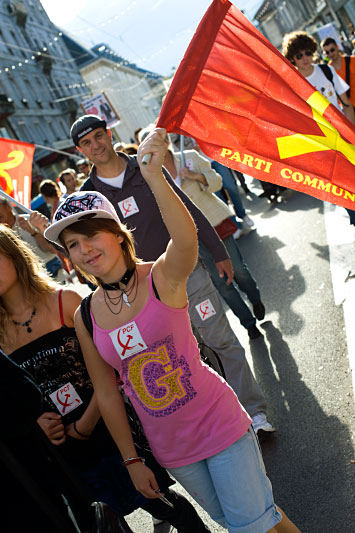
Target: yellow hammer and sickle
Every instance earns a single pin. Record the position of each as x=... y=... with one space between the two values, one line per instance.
x=17 y=158
x=299 y=144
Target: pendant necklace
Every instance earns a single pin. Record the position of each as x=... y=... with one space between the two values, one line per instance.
x=117 y=301
x=27 y=323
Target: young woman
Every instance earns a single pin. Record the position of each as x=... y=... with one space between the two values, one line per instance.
x=141 y=328
x=37 y=332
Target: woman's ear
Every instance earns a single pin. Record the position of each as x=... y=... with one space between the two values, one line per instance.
x=120 y=238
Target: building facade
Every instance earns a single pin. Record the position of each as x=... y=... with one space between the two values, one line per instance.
x=277 y=17
x=36 y=70
x=134 y=93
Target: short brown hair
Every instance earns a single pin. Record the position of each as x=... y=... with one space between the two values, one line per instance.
x=297 y=41
x=64 y=172
x=327 y=41
x=50 y=189
x=90 y=226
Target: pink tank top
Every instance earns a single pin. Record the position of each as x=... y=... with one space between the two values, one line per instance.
x=187 y=410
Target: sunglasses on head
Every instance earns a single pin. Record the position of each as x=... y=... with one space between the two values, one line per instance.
x=330 y=51
x=307 y=53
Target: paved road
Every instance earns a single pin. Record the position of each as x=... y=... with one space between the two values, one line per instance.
x=302 y=362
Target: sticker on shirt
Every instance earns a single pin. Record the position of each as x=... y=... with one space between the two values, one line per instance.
x=127 y=340
x=128 y=207
x=66 y=399
x=205 y=309
x=328 y=90
x=189 y=164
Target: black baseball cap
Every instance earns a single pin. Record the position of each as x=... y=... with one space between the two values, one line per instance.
x=84 y=125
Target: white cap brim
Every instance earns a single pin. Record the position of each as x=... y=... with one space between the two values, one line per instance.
x=54 y=230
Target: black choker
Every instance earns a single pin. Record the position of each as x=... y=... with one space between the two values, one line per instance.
x=124 y=280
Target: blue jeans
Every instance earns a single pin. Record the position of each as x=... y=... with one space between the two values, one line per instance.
x=230 y=185
x=232 y=486
x=242 y=278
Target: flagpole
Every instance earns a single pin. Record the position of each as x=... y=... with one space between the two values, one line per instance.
x=58 y=151
x=13 y=201
x=182 y=157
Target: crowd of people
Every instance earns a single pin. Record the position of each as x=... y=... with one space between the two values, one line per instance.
x=127 y=399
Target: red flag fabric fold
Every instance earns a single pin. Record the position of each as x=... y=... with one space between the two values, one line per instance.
x=250 y=109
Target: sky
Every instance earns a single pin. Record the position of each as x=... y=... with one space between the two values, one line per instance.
x=153 y=34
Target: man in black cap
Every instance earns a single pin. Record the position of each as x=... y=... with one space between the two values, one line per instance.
x=117 y=176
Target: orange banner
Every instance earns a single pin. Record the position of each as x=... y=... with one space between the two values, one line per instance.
x=16 y=169
x=250 y=109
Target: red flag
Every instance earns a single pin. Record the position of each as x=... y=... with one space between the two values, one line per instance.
x=16 y=169
x=250 y=109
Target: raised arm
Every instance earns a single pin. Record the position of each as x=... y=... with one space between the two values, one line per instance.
x=181 y=255
x=112 y=409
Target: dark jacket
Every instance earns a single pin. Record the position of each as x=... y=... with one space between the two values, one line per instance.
x=150 y=234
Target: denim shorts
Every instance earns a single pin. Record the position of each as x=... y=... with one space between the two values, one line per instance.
x=232 y=487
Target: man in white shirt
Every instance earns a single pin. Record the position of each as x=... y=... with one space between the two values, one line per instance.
x=300 y=48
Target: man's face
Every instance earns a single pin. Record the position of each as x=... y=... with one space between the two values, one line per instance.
x=303 y=59
x=70 y=182
x=331 y=51
x=97 y=146
x=6 y=215
x=84 y=169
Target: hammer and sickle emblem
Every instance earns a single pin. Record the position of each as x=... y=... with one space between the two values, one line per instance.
x=17 y=158
x=299 y=144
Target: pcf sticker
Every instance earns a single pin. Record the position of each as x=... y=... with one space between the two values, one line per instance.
x=66 y=399
x=127 y=340
x=189 y=164
x=205 y=309
x=128 y=207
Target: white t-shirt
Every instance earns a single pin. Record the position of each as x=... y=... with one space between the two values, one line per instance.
x=325 y=87
x=117 y=181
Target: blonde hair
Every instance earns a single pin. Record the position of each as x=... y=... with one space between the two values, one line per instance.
x=31 y=275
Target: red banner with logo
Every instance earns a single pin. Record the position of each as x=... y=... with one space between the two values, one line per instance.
x=16 y=169
x=250 y=109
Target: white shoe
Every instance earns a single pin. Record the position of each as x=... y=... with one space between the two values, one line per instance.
x=237 y=233
x=260 y=422
x=156 y=521
x=248 y=221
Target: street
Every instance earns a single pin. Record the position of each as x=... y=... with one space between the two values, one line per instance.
x=302 y=362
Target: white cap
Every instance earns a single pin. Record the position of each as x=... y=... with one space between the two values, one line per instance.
x=78 y=206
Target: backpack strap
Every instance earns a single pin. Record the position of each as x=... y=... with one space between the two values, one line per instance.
x=347 y=73
x=327 y=72
x=329 y=75
x=85 y=314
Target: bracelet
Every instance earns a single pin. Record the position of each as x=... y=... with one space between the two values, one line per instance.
x=132 y=460
x=78 y=432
